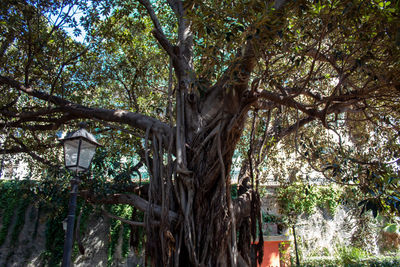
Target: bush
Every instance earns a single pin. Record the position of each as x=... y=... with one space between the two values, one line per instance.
x=350 y=255
x=320 y=261
x=364 y=262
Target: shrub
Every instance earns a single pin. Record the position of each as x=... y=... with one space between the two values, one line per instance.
x=350 y=255
x=393 y=261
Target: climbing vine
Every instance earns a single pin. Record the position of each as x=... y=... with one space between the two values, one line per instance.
x=22 y=205
x=298 y=198
x=49 y=201
x=8 y=202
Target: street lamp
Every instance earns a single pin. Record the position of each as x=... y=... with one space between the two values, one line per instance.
x=79 y=149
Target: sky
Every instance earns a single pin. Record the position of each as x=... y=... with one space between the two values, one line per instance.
x=77 y=15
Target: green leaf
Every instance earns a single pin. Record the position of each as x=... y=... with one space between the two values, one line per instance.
x=391 y=228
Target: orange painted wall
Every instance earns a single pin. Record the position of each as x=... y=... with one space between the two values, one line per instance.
x=271 y=254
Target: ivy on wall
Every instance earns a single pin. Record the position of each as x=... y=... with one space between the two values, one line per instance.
x=14 y=199
x=300 y=198
x=118 y=229
x=50 y=202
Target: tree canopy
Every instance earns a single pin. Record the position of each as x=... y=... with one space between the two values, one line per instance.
x=294 y=86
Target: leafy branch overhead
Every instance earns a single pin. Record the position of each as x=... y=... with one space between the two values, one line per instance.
x=183 y=87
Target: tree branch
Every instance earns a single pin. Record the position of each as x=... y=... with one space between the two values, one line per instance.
x=135 y=120
x=51 y=123
x=131 y=199
x=28 y=114
x=27 y=150
x=174 y=4
x=158 y=32
x=289 y=102
x=295 y=126
x=122 y=219
x=242 y=205
x=164 y=42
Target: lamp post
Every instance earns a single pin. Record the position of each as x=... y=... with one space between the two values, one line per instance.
x=79 y=149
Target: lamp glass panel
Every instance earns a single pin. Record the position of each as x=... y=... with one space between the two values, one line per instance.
x=71 y=152
x=87 y=153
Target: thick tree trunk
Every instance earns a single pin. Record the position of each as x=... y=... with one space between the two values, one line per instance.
x=212 y=209
x=206 y=232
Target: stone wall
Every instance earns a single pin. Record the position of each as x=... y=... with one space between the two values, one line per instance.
x=317 y=234
x=321 y=233
x=31 y=244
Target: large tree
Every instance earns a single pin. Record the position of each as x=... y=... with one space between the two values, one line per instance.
x=175 y=83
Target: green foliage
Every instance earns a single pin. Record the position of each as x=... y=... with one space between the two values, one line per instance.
x=14 y=199
x=8 y=202
x=56 y=203
x=52 y=199
x=37 y=221
x=392 y=228
x=120 y=66
x=383 y=195
x=349 y=255
x=112 y=173
x=16 y=196
x=23 y=204
x=234 y=191
x=329 y=198
x=298 y=198
x=319 y=262
x=86 y=210
x=124 y=211
x=126 y=231
x=269 y=218
x=114 y=236
x=7 y=217
x=55 y=236
x=360 y=262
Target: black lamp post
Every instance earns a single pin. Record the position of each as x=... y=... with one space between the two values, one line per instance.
x=79 y=149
